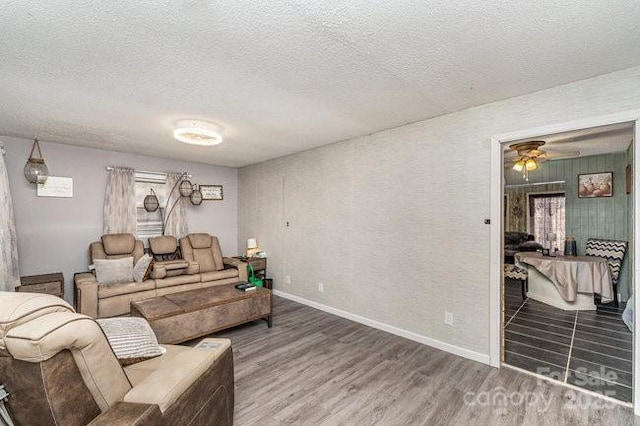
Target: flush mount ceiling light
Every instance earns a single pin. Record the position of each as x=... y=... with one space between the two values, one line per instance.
x=197 y=133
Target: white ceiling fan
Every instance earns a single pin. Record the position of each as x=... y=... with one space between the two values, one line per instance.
x=527 y=156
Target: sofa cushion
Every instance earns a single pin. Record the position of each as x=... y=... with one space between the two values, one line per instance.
x=218 y=275
x=131 y=339
x=115 y=244
x=121 y=304
x=178 y=288
x=529 y=246
x=142 y=268
x=114 y=271
x=163 y=245
x=177 y=280
x=110 y=290
x=200 y=241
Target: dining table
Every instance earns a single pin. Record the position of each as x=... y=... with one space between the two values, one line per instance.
x=571 y=276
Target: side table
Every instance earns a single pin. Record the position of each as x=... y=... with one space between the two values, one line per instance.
x=259 y=265
x=45 y=283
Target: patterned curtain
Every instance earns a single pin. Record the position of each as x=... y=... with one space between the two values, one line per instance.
x=548 y=220
x=176 y=222
x=119 y=202
x=9 y=274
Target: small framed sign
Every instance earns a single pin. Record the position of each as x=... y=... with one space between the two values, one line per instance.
x=211 y=192
x=54 y=186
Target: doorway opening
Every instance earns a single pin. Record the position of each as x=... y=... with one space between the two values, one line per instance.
x=590 y=348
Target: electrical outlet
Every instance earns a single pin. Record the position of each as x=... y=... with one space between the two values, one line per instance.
x=448 y=318
x=287 y=279
x=321 y=287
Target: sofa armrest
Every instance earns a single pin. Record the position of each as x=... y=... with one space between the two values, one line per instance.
x=158 y=271
x=193 y=268
x=239 y=265
x=171 y=380
x=128 y=413
x=86 y=294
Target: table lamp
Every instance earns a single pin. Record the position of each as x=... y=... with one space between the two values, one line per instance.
x=252 y=247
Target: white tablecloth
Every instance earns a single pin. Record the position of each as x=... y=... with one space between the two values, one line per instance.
x=572 y=274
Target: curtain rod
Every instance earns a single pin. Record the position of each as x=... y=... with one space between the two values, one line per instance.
x=110 y=168
x=535 y=184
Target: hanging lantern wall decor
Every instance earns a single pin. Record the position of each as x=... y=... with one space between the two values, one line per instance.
x=36 y=170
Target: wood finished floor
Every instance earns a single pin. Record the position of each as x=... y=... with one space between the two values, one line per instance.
x=589 y=349
x=314 y=368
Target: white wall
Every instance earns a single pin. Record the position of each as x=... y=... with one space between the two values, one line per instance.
x=392 y=223
x=54 y=233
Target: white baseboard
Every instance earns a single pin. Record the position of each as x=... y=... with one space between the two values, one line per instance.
x=447 y=347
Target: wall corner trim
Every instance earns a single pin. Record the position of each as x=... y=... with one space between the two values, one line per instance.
x=438 y=344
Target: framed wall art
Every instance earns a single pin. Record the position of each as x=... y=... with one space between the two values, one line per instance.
x=595 y=185
x=211 y=192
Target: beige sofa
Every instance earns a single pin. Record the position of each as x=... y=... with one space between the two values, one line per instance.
x=60 y=370
x=202 y=266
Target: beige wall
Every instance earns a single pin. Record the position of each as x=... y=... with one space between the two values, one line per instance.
x=54 y=233
x=392 y=223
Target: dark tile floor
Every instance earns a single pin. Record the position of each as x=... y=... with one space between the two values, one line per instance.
x=588 y=349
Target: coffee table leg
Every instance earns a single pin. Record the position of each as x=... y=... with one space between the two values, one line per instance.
x=269 y=321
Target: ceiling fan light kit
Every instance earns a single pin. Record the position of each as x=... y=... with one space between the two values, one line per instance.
x=529 y=157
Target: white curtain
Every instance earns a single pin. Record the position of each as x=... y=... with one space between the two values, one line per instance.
x=119 y=202
x=9 y=274
x=176 y=222
x=547 y=213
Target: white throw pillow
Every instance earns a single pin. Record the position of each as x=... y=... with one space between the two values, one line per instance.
x=142 y=268
x=132 y=339
x=114 y=271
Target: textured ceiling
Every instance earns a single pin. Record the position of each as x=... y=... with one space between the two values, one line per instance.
x=285 y=76
x=582 y=143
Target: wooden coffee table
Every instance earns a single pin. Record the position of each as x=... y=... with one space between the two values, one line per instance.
x=178 y=317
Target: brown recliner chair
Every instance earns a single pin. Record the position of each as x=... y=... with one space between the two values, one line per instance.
x=204 y=249
x=60 y=370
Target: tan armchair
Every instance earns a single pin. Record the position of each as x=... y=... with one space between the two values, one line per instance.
x=59 y=369
x=204 y=249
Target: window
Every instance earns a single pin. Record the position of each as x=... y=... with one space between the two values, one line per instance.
x=149 y=224
x=547 y=219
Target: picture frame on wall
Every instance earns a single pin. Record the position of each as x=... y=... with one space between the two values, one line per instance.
x=595 y=185
x=211 y=192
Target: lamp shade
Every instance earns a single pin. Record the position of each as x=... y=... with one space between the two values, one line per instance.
x=185 y=188
x=196 y=197
x=531 y=164
x=519 y=166
x=252 y=243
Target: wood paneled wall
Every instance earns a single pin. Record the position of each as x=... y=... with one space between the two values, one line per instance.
x=588 y=217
